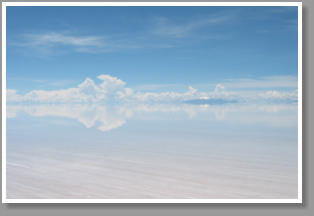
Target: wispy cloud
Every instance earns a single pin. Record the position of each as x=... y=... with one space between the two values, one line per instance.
x=53 y=38
x=166 y=27
x=48 y=43
x=264 y=82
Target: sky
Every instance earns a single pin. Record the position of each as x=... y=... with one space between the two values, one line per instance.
x=148 y=47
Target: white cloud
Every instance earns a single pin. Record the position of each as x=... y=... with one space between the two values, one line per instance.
x=110 y=82
x=165 y=96
x=112 y=89
x=87 y=91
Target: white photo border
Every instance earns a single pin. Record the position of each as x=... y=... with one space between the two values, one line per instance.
x=297 y=200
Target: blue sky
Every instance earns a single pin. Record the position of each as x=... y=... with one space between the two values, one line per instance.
x=58 y=47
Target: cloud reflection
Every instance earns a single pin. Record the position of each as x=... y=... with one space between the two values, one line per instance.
x=106 y=117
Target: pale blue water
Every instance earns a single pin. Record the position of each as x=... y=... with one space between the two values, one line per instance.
x=152 y=151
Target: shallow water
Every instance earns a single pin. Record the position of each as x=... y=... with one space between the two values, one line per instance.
x=164 y=151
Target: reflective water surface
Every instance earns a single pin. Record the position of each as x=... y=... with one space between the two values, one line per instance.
x=232 y=150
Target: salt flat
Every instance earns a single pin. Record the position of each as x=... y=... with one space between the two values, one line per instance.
x=147 y=175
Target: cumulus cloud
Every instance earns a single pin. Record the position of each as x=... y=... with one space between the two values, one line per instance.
x=112 y=89
x=109 y=88
x=165 y=96
x=87 y=91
